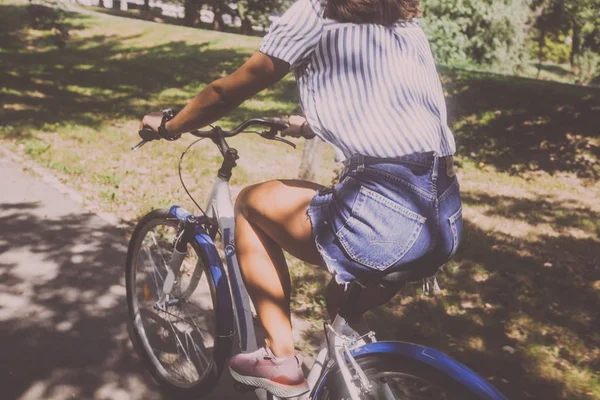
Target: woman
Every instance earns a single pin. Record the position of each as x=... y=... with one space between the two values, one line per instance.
x=369 y=87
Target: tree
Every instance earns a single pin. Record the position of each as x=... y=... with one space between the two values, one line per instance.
x=583 y=16
x=550 y=32
x=257 y=12
x=578 y=20
x=488 y=32
x=219 y=8
x=191 y=11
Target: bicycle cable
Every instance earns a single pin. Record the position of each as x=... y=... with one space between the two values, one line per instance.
x=183 y=184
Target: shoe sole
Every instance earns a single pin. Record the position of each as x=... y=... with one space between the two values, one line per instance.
x=278 y=389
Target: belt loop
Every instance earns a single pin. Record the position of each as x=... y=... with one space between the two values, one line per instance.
x=360 y=160
x=434 y=172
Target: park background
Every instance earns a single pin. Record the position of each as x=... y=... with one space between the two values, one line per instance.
x=520 y=300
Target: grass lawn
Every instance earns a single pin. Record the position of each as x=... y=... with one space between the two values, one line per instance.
x=527 y=274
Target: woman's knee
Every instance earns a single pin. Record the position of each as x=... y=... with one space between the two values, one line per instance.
x=249 y=199
x=242 y=200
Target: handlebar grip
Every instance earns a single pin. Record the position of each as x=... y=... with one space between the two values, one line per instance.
x=148 y=134
x=278 y=124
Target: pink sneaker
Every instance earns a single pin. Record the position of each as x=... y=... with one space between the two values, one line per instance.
x=281 y=376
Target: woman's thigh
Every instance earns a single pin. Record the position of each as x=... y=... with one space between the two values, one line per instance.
x=279 y=208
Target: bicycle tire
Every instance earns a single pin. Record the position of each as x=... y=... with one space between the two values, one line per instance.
x=159 y=351
x=415 y=381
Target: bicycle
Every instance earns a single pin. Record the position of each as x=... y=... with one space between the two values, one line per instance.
x=198 y=306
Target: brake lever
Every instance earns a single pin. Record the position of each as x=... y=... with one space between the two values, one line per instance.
x=147 y=135
x=140 y=144
x=273 y=136
x=284 y=141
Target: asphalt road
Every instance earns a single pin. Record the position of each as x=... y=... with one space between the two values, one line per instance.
x=62 y=300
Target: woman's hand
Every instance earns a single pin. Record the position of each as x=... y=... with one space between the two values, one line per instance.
x=298 y=128
x=151 y=121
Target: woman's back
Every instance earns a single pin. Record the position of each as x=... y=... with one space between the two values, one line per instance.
x=365 y=88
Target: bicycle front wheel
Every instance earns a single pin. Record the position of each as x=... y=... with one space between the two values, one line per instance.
x=395 y=377
x=174 y=334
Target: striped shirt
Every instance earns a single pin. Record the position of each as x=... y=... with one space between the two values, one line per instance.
x=365 y=88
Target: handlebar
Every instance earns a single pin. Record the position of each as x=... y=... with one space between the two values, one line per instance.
x=275 y=125
x=218 y=134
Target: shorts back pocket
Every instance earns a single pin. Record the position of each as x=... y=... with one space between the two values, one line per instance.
x=379 y=231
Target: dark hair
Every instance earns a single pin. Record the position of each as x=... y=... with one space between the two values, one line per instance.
x=383 y=12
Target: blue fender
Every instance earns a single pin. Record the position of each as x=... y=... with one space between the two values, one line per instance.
x=481 y=389
x=224 y=316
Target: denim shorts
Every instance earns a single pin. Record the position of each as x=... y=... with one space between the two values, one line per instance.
x=388 y=214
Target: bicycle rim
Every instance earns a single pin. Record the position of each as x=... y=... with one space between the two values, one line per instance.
x=391 y=378
x=178 y=338
x=398 y=385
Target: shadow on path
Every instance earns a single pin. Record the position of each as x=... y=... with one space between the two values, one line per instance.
x=62 y=331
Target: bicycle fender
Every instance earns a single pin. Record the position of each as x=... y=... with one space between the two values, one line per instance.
x=223 y=306
x=481 y=389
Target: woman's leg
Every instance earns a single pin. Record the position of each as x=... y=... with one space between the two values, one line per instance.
x=370 y=297
x=269 y=217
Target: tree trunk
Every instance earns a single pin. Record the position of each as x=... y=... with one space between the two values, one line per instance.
x=535 y=17
x=310 y=157
x=246 y=28
x=575 y=44
x=218 y=23
x=190 y=11
x=541 y=45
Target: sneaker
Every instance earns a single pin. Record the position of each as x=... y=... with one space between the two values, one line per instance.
x=281 y=376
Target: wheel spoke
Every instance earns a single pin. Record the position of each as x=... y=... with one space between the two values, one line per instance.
x=155 y=270
x=390 y=383
x=159 y=248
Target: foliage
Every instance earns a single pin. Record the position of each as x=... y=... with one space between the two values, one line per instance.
x=488 y=32
x=588 y=62
x=555 y=47
x=577 y=20
x=257 y=12
x=497 y=35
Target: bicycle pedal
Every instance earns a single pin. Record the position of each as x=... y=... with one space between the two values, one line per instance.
x=242 y=388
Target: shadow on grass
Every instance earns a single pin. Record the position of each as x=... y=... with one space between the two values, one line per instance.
x=555 y=69
x=559 y=215
x=96 y=79
x=515 y=124
x=520 y=124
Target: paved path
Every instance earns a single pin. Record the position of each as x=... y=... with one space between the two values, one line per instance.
x=62 y=300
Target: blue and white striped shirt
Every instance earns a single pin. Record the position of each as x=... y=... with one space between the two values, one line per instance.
x=365 y=88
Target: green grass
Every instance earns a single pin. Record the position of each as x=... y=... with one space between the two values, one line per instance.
x=527 y=274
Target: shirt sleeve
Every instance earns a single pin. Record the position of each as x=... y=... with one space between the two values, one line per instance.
x=294 y=36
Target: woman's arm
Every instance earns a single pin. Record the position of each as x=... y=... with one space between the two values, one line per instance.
x=223 y=95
